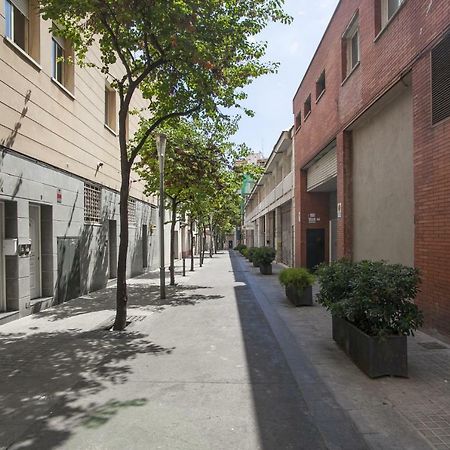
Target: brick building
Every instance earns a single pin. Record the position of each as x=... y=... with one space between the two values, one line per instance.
x=372 y=140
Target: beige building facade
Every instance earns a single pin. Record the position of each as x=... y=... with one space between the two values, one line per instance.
x=60 y=171
x=269 y=210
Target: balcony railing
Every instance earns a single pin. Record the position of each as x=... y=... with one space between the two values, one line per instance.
x=283 y=188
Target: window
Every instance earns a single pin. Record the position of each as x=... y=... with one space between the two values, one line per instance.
x=440 y=80
x=92 y=203
x=350 y=47
x=62 y=67
x=307 y=107
x=388 y=9
x=298 y=120
x=110 y=108
x=320 y=85
x=131 y=210
x=22 y=25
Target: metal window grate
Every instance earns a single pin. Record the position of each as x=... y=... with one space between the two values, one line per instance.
x=440 y=85
x=132 y=210
x=92 y=203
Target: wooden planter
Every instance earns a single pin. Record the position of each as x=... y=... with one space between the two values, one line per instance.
x=255 y=264
x=376 y=357
x=298 y=297
x=265 y=269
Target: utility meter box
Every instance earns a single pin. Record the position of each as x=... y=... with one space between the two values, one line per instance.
x=10 y=247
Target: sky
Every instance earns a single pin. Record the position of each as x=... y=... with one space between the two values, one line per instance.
x=270 y=96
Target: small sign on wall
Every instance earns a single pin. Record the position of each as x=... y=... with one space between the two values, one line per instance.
x=59 y=196
x=312 y=218
x=339 y=210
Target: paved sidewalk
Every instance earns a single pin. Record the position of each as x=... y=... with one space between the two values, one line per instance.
x=201 y=370
x=224 y=363
x=391 y=413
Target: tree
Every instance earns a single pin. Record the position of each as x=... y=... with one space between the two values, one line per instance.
x=185 y=57
x=193 y=162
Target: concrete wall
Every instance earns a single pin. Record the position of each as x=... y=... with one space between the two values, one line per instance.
x=23 y=182
x=383 y=186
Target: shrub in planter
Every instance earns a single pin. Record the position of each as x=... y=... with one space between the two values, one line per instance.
x=263 y=256
x=298 y=283
x=244 y=252
x=372 y=309
x=250 y=253
x=240 y=247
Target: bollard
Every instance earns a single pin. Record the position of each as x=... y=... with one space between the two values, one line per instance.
x=184 y=266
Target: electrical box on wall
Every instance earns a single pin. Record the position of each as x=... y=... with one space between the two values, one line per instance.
x=10 y=247
x=24 y=248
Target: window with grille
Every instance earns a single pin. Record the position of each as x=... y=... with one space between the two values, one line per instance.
x=92 y=203
x=132 y=210
x=440 y=84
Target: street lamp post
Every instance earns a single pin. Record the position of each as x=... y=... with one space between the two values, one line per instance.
x=161 y=141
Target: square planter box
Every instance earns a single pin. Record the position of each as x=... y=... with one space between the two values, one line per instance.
x=266 y=269
x=374 y=356
x=300 y=298
x=255 y=264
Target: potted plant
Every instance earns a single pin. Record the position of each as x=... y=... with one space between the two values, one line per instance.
x=263 y=256
x=372 y=307
x=244 y=252
x=298 y=284
x=251 y=254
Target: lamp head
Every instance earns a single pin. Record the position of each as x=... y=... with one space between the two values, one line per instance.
x=161 y=141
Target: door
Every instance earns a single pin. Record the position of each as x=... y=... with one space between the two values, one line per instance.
x=2 y=260
x=69 y=270
x=144 y=246
x=112 y=247
x=35 y=253
x=315 y=247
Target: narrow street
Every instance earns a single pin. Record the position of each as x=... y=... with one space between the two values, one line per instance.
x=224 y=363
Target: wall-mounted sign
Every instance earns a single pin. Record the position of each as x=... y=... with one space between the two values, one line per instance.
x=312 y=218
x=59 y=196
x=339 y=210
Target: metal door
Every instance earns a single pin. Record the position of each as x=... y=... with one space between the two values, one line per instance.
x=35 y=253
x=315 y=247
x=144 y=246
x=69 y=271
x=112 y=241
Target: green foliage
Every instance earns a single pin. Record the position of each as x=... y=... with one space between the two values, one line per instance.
x=297 y=277
x=373 y=295
x=244 y=252
x=186 y=57
x=264 y=256
x=240 y=247
x=251 y=253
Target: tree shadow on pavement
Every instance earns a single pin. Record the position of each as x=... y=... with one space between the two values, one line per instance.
x=141 y=295
x=44 y=374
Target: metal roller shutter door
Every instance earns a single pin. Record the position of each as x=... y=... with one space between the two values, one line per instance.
x=322 y=170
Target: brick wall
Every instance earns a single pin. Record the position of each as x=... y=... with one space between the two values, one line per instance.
x=385 y=58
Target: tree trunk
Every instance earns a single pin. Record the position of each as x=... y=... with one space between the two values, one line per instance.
x=200 y=244
x=211 y=241
x=192 y=246
x=204 y=243
x=121 y=296
x=172 y=242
